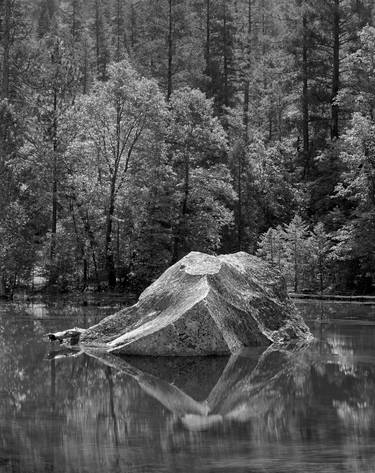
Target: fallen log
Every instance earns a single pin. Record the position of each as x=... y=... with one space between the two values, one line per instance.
x=73 y=335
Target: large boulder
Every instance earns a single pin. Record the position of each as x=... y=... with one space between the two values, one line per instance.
x=204 y=305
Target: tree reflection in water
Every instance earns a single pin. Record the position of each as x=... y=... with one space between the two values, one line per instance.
x=298 y=408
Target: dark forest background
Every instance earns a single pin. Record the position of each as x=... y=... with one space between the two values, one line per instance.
x=135 y=131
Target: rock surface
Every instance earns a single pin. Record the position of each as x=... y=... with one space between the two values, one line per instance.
x=204 y=305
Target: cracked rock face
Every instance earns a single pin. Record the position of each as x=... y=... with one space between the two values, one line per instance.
x=204 y=305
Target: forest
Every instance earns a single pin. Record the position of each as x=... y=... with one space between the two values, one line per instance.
x=135 y=131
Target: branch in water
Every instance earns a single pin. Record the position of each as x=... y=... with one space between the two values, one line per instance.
x=73 y=334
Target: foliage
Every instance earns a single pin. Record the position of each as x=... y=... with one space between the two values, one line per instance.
x=355 y=238
x=17 y=253
x=197 y=149
x=304 y=256
x=134 y=132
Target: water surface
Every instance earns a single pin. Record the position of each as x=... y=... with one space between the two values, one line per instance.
x=297 y=409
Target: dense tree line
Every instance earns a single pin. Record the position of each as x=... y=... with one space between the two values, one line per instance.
x=132 y=132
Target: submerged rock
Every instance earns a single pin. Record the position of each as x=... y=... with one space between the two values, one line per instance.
x=204 y=305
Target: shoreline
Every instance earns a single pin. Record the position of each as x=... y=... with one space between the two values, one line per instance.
x=93 y=298
x=332 y=298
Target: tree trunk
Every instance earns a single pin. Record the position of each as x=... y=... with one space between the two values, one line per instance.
x=118 y=27
x=109 y=260
x=133 y=25
x=6 y=50
x=321 y=279
x=270 y=124
x=74 y=21
x=97 y=38
x=118 y=258
x=54 y=186
x=296 y=268
x=186 y=185
x=93 y=245
x=170 y=51
x=54 y=208
x=101 y=60
x=246 y=102
x=264 y=28
x=85 y=69
x=225 y=56
x=90 y=236
x=246 y=106
x=336 y=71
x=80 y=245
x=239 y=202
x=181 y=227
x=305 y=102
x=208 y=38
x=3 y=287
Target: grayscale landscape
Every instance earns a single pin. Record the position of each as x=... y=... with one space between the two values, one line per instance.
x=187 y=236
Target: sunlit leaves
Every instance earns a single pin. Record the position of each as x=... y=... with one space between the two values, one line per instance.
x=305 y=256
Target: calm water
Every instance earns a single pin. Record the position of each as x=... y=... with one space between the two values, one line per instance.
x=303 y=409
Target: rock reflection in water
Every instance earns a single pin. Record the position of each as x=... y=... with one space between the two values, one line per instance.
x=249 y=387
x=267 y=400
x=296 y=409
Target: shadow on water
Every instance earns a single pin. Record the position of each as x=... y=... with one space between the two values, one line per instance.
x=301 y=408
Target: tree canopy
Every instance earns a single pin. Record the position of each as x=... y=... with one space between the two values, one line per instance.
x=134 y=132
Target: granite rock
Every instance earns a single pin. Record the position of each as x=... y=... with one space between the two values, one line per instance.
x=204 y=305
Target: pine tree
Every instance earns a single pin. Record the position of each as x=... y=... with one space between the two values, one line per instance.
x=51 y=90
x=100 y=41
x=319 y=245
x=295 y=236
x=271 y=247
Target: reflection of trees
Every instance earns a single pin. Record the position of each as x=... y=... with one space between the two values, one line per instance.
x=285 y=407
x=326 y=310
x=35 y=393
x=259 y=389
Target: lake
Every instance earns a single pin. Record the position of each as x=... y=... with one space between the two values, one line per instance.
x=297 y=409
